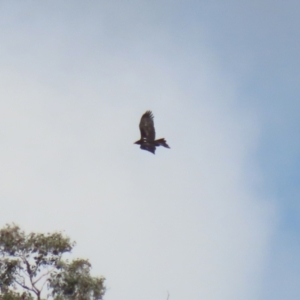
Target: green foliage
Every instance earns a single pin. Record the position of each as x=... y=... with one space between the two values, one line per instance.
x=10 y=295
x=31 y=262
x=74 y=281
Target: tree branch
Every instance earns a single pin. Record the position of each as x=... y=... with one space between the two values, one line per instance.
x=168 y=295
x=24 y=286
x=34 y=288
x=43 y=275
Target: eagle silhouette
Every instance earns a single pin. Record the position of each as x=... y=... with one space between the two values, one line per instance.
x=147 y=140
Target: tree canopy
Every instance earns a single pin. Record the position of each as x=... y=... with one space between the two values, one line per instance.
x=32 y=267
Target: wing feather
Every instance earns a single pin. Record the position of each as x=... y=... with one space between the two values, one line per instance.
x=147 y=127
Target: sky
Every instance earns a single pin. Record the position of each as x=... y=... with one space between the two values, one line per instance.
x=214 y=217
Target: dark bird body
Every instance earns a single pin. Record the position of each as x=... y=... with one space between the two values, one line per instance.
x=147 y=140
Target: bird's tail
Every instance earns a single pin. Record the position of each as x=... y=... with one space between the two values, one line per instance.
x=161 y=142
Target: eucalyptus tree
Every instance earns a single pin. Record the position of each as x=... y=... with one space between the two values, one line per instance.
x=32 y=267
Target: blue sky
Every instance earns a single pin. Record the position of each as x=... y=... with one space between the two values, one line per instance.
x=266 y=34
x=214 y=217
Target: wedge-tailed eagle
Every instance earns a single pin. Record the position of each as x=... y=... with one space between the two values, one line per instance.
x=147 y=140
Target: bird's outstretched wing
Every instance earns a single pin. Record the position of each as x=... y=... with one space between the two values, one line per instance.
x=147 y=127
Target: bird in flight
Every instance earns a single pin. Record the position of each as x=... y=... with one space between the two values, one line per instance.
x=147 y=140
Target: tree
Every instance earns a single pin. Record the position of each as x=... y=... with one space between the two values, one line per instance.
x=30 y=263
